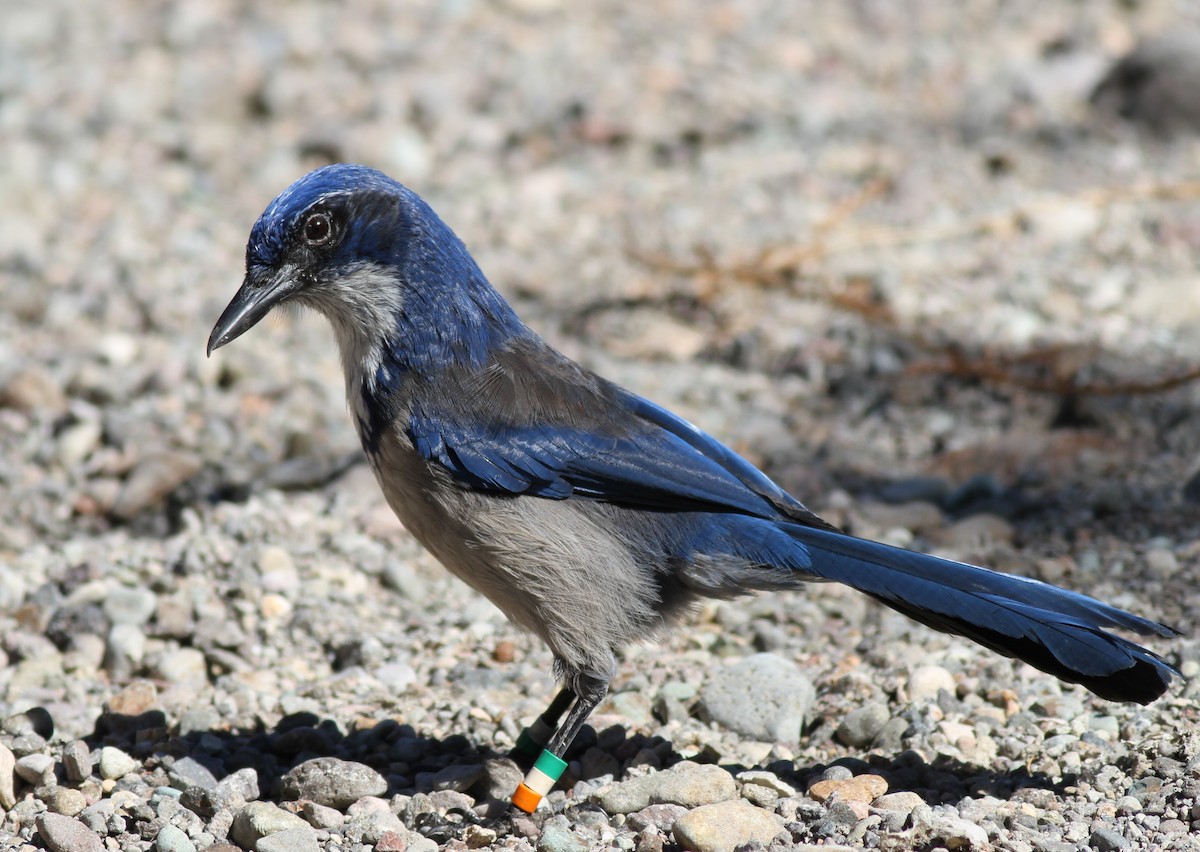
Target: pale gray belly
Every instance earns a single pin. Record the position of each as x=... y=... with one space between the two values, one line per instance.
x=553 y=567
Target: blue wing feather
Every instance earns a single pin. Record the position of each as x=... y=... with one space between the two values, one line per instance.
x=650 y=468
x=532 y=422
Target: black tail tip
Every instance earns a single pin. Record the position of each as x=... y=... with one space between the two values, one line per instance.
x=1146 y=680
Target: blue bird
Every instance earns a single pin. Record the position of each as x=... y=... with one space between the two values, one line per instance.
x=590 y=516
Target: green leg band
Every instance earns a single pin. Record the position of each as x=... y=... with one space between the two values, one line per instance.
x=534 y=738
x=545 y=773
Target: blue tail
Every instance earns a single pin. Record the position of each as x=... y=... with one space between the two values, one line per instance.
x=1060 y=632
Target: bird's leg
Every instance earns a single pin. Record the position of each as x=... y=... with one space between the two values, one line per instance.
x=534 y=738
x=589 y=690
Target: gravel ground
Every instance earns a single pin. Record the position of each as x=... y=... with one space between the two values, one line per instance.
x=215 y=635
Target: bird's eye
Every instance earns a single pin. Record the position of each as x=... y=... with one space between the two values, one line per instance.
x=317 y=229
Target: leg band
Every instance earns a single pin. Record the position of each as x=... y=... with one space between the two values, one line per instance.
x=540 y=781
x=534 y=738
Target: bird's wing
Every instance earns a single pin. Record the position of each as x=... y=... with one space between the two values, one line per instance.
x=534 y=422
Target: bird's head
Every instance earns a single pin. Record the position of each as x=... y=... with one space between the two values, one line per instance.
x=369 y=254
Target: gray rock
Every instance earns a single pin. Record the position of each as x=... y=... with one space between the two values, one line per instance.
x=904 y=802
x=419 y=843
x=183 y=665
x=115 y=763
x=242 y=784
x=625 y=797
x=36 y=769
x=299 y=839
x=333 y=782
x=321 y=816
x=758 y=779
x=859 y=727
x=27 y=744
x=926 y=681
x=259 y=819
x=558 y=836
x=77 y=760
x=125 y=605
x=231 y=793
x=172 y=839
x=692 y=785
x=660 y=817
x=64 y=834
x=396 y=675
x=891 y=736
x=63 y=800
x=1107 y=840
x=686 y=784
x=763 y=696
x=125 y=650
x=446 y=800
x=634 y=706
x=500 y=777
x=725 y=826
x=198 y=720
x=952 y=831
x=375 y=824
x=1128 y=805
x=460 y=778
x=188 y=772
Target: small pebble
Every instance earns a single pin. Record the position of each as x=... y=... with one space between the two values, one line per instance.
x=926 y=682
x=1108 y=840
x=767 y=780
x=172 y=839
x=859 y=727
x=125 y=605
x=725 y=826
x=558 y=836
x=333 y=782
x=36 y=769
x=860 y=788
x=77 y=760
x=188 y=772
x=688 y=785
x=299 y=839
x=115 y=763
x=660 y=817
x=763 y=696
x=64 y=800
x=478 y=836
x=181 y=666
x=256 y=820
x=321 y=816
x=65 y=834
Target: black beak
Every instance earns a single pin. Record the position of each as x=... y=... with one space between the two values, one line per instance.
x=253 y=301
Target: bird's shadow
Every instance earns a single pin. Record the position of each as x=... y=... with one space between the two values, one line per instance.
x=414 y=764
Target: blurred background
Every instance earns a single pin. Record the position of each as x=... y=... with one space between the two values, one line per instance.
x=850 y=239
x=932 y=265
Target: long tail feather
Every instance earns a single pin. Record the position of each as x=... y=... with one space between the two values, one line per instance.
x=1058 y=631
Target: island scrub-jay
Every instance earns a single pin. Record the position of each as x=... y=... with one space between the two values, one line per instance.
x=589 y=515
